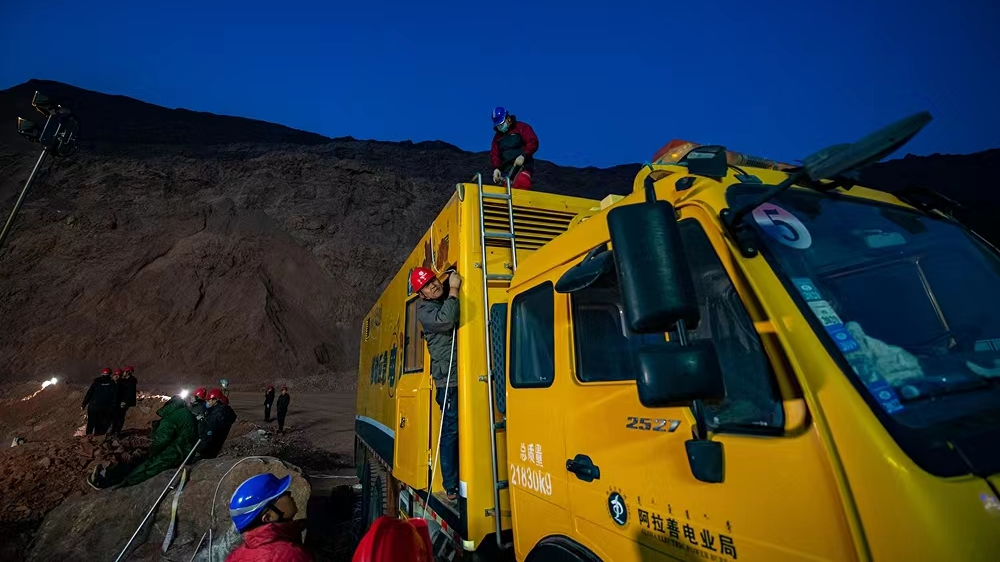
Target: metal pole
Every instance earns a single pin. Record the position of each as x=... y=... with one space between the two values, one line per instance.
x=20 y=200
x=158 y=500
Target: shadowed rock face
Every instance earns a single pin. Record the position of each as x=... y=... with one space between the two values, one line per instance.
x=96 y=525
x=196 y=246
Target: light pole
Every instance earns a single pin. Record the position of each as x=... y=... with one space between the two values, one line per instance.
x=57 y=137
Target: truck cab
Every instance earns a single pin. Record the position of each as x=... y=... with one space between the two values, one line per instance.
x=819 y=379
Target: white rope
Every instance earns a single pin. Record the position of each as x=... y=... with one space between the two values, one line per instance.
x=437 y=450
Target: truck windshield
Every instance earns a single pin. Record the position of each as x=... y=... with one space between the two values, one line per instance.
x=910 y=302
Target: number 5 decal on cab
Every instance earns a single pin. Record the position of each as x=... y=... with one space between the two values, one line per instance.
x=782 y=226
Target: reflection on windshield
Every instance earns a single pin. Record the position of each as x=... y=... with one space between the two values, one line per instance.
x=912 y=302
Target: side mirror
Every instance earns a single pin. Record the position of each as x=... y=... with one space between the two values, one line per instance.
x=653 y=271
x=674 y=375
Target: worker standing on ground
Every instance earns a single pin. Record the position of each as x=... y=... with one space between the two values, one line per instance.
x=262 y=509
x=100 y=402
x=513 y=149
x=126 y=398
x=268 y=400
x=283 y=401
x=438 y=314
x=173 y=438
x=219 y=419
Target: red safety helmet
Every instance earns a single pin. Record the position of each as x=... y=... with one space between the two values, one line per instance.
x=106 y=371
x=419 y=277
x=395 y=540
x=270 y=387
x=215 y=394
x=118 y=372
x=129 y=369
x=200 y=393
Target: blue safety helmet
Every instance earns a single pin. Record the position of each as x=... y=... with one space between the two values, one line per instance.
x=254 y=495
x=499 y=114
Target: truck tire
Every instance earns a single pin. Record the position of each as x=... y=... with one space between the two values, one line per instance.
x=374 y=493
x=560 y=549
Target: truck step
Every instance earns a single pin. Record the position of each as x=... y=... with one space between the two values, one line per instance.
x=503 y=196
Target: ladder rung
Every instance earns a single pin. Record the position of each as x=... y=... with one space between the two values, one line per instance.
x=503 y=196
x=495 y=234
x=499 y=277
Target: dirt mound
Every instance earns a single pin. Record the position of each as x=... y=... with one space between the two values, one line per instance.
x=97 y=525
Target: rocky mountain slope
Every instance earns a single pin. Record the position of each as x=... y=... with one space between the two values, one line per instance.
x=197 y=246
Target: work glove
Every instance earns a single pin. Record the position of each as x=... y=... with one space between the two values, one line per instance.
x=454 y=280
x=519 y=160
x=496 y=176
x=123 y=404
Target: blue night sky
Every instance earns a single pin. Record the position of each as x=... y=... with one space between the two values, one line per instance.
x=602 y=83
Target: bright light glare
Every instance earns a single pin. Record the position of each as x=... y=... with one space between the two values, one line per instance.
x=184 y=394
x=49 y=382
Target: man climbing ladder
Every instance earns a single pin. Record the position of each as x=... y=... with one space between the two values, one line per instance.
x=513 y=149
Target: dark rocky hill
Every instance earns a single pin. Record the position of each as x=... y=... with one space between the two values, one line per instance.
x=197 y=246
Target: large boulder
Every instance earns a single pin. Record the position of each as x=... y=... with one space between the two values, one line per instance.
x=97 y=525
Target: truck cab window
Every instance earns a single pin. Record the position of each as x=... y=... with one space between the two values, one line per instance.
x=603 y=350
x=752 y=400
x=532 y=349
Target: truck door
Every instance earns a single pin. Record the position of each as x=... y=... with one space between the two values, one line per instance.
x=536 y=396
x=630 y=484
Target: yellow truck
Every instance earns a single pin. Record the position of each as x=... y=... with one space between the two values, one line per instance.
x=740 y=360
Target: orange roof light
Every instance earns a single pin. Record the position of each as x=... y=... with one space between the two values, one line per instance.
x=675 y=150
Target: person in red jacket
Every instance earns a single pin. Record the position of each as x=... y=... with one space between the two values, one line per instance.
x=513 y=149
x=263 y=510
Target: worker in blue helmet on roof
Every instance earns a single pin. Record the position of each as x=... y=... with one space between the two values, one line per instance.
x=263 y=510
x=513 y=150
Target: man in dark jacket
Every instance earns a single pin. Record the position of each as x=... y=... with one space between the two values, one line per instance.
x=438 y=314
x=268 y=400
x=126 y=398
x=173 y=439
x=513 y=149
x=283 y=401
x=219 y=419
x=100 y=402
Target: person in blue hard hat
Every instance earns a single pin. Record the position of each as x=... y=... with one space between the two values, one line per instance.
x=262 y=509
x=513 y=150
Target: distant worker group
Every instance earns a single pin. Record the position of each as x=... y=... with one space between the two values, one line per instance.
x=208 y=417
x=512 y=153
x=283 y=400
x=108 y=400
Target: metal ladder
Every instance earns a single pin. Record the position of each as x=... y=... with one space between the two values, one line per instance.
x=495 y=426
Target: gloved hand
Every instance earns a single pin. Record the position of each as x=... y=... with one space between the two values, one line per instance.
x=496 y=176
x=123 y=404
x=454 y=280
x=519 y=160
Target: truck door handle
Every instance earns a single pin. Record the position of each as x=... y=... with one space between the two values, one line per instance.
x=584 y=468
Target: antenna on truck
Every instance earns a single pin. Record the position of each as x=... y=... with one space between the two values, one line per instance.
x=57 y=136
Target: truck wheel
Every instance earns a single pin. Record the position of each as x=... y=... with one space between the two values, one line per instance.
x=374 y=493
x=560 y=549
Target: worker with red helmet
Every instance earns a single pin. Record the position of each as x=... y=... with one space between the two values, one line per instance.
x=513 y=149
x=126 y=398
x=438 y=314
x=283 y=402
x=219 y=419
x=100 y=401
x=268 y=400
